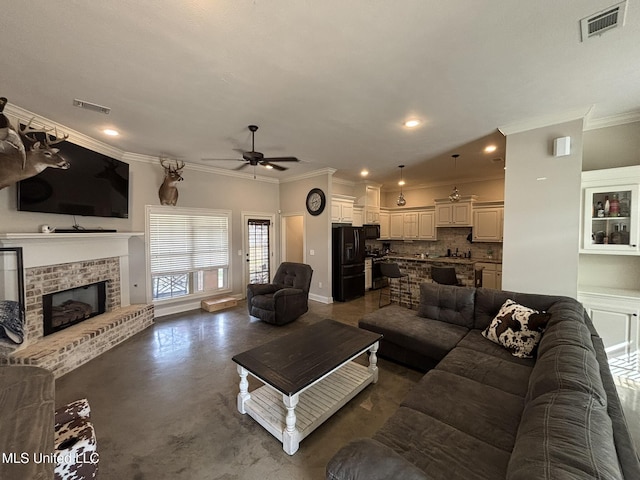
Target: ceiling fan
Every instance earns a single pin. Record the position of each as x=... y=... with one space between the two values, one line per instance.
x=254 y=158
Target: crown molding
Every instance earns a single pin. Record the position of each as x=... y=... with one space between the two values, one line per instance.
x=612 y=121
x=23 y=115
x=313 y=174
x=545 y=121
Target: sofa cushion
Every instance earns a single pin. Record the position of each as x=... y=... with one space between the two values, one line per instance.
x=566 y=327
x=447 y=303
x=489 y=302
x=564 y=434
x=441 y=451
x=475 y=341
x=488 y=369
x=368 y=459
x=403 y=327
x=567 y=367
x=484 y=412
x=517 y=328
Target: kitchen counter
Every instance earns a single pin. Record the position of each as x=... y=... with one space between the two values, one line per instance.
x=452 y=260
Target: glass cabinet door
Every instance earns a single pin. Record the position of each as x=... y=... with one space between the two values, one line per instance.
x=611 y=219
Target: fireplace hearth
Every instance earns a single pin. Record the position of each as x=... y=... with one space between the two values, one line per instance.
x=63 y=309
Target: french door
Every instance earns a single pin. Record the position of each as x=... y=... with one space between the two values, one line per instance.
x=258 y=249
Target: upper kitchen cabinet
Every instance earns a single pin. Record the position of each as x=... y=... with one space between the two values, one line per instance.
x=385 y=225
x=341 y=209
x=368 y=195
x=358 y=216
x=610 y=206
x=427 y=225
x=455 y=214
x=488 y=219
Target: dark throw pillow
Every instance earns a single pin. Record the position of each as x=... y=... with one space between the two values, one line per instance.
x=517 y=328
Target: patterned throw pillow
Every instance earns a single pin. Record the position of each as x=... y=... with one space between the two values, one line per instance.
x=517 y=328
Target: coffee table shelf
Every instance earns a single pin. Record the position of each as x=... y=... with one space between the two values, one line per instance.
x=307 y=376
x=315 y=405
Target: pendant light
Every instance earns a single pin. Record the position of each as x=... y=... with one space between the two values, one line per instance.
x=455 y=194
x=401 y=202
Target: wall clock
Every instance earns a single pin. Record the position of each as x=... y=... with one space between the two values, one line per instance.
x=316 y=201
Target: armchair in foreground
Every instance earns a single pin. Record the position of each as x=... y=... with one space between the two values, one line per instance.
x=285 y=299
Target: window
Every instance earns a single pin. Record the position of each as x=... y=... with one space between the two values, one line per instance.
x=188 y=251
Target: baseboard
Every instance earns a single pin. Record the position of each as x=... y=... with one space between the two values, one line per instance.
x=320 y=298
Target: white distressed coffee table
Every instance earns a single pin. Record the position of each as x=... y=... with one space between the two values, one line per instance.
x=308 y=375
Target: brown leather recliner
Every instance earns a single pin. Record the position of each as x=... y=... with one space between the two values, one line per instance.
x=285 y=299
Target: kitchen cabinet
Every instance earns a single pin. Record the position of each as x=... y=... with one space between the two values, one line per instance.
x=384 y=226
x=342 y=209
x=616 y=316
x=410 y=225
x=427 y=225
x=396 y=226
x=358 y=216
x=368 y=195
x=456 y=214
x=368 y=273
x=488 y=221
x=491 y=275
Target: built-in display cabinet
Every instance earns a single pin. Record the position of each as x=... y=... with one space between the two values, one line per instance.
x=610 y=211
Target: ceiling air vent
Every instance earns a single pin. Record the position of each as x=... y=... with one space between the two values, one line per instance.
x=605 y=20
x=91 y=106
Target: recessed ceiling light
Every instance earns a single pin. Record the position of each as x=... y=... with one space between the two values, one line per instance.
x=411 y=123
x=540 y=179
x=490 y=148
x=111 y=132
x=401 y=182
x=364 y=173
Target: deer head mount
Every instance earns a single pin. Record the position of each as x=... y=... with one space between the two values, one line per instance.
x=168 y=192
x=28 y=151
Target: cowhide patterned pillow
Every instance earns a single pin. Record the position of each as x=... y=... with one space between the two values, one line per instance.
x=517 y=328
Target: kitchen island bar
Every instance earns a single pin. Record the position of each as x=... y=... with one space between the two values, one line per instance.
x=419 y=270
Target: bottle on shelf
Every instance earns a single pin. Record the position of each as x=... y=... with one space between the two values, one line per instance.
x=625 y=205
x=607 y=206
x=614 y=206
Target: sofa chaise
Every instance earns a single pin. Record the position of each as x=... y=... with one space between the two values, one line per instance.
x=482 y=413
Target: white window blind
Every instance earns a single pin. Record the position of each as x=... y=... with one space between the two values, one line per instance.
x=182 y=242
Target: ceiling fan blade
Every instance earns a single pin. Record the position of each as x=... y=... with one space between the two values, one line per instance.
x=241 y=166
x=274 y=166
x=281 y=159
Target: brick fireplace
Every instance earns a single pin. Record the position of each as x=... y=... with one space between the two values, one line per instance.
x=59 y=262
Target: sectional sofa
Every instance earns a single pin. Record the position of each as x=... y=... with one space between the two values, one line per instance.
x=480 y=412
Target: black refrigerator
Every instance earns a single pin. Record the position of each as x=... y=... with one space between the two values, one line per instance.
x=348 y=263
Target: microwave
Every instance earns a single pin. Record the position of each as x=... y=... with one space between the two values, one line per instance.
x=371 y=232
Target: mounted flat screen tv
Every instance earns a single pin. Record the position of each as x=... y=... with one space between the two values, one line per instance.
x=94 y=185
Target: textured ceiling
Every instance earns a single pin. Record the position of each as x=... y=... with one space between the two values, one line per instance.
x=329 y=82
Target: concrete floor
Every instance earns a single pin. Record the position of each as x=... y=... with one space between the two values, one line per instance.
x=163 y=403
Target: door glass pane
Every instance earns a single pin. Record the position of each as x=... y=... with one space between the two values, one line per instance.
x=259 y=251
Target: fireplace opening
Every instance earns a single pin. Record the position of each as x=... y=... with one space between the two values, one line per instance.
x=69 y=307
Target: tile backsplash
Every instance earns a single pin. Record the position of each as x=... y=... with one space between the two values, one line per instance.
x=448 y=238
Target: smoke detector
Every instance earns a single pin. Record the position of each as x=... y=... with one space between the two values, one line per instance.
x=91 y=106
x=603 y=21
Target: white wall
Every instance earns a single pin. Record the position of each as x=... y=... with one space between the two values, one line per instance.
x=486 y=190
x=542 y=217
x=317 y=229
